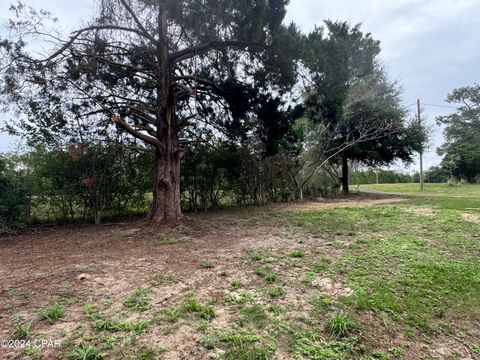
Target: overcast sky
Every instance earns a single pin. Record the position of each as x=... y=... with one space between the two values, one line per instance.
x=429 y=46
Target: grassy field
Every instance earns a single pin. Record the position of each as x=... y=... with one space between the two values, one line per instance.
x=363 y=278
x=441 y=190
x=459 y=197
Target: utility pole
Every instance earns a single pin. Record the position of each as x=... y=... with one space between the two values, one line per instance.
x=421 y=151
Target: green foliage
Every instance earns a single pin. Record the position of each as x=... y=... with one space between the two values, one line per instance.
x=148 y=354
x=395 y=351
x=384 y=177
x=207 y=342
x=89 y=310
x=86 y=352
x=207 y=313
x=339 y=325
x=276 y=291
x=83 y=181
x=427 y=262
x=207 y=264
x=321 y=265
x=172 y=315
x=462 y=160
x=192 y=305
x=52 y=313
x=229 y=174
x=242 y=345
x=235 y=284
x=271 y=277
x=114 y=326
x=255 y=315
x=138 y=300
x=23 y=331
x=462 y=134
x=257 y=256
x=355 y=111
x=15 y=195
x=297 y=254
x=167 y=239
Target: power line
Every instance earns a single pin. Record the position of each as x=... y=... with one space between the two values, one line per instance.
x=436 y=105
x=442 y=106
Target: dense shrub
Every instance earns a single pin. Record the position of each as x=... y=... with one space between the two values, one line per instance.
x=14 y=196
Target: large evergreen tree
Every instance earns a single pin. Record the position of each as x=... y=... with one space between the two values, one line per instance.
x=167 y=72
x=351 y=100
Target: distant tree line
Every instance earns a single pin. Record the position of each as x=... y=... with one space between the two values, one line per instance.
x=461 y=151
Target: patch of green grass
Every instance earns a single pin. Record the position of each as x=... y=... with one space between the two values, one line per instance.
x=235 y=284
x=262 y=271
x=465 y=190
x=89 y=310
x=23 y=331
x=203 y=325
x=244 y=298
x=297 y=254
x=145 y=353
x=248 y=352
x=461 y=197
x=32 y=352
x=243 y=345
x=257 y=256
x=160 y=279
x=339 y=325
x=192 y=305
x=420 y=271
x=255 y=315
x=322 y=265
x=271 y=277
x=320 y=304
x=138 y=300
x=207 y=264
x=170 y=315
x=474 y=347
x=138 y=326
x=167 y=239
x=107 y=303
x=395 y=351
x=86 y=352
x=276 y=309
x=276 y=291
x=21 y=295
x=207 y=313
x=235 y=336
x=305 y=343
x=52 y=312
x=207 y=342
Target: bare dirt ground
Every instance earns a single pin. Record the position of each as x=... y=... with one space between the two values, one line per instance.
x=102 y=264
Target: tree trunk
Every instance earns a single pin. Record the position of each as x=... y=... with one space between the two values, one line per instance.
x=165 y=205
x=345 y=189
